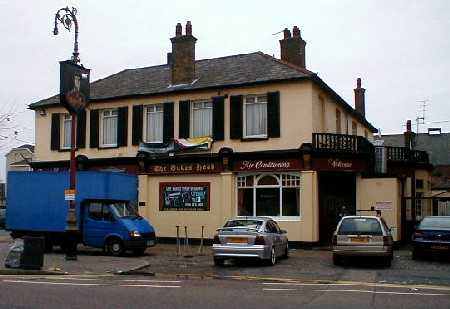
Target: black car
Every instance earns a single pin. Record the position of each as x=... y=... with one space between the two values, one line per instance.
x=432 y=235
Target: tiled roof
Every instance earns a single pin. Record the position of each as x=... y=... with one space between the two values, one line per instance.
x=231 y=71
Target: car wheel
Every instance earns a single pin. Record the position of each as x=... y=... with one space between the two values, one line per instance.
x=219 y=262
x=337 y=260
x=415 y=254
x=286 y=252
x=115 y=247
x=273 y=257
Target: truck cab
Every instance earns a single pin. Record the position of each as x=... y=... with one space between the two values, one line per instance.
x=115 y=226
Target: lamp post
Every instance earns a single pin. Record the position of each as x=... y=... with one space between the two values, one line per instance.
x=73 y=78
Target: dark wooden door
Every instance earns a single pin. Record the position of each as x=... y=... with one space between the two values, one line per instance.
x=337 y=198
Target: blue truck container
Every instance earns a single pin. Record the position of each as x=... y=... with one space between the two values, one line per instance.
x=105 y=205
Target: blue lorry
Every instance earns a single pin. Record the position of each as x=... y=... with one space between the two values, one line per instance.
x=105 y=206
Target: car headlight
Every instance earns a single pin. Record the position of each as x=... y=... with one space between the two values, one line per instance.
x=135 y=234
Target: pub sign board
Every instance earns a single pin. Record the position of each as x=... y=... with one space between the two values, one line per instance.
x=184 y=196
x=74 y=87
x=268 y=165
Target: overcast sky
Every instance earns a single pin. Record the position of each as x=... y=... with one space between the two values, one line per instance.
x=400 y=49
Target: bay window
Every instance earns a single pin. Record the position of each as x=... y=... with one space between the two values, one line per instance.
x=153 y=126
x=201 y=118
x=255 y=116
x=108 y=124
x=274 y=195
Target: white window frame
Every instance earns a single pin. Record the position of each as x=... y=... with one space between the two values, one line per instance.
x=279 y=177
x=66 y=118
x=244 y=115
x=155 y=111
x=102 y=117
x=203 y=102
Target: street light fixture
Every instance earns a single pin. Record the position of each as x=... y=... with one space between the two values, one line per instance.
x=66 y=17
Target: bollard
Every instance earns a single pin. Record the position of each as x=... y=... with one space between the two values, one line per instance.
x=178 y=241
x=200 y=250
x=186 y=244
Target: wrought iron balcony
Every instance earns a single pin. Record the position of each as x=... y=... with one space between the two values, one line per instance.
x=404 y=154
x=341 y=143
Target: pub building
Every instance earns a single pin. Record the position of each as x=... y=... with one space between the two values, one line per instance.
x=241 y=135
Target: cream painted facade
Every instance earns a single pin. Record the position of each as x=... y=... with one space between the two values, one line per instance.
x=300 y=115
x=223 y=207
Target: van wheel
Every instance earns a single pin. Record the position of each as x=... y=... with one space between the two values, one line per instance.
x=139 y=252
x=337 y=260
x=48 y=244
x=114 y=246
x=219 y=262
x=388 y=261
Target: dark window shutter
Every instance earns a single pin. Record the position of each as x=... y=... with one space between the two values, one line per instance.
x=55 y=137
x=168 y=122
x=81 y=129
x=236 y=105
x=184 y=115
x=218 y=120
x=273 y=114
x=122 y=126
x=94 y=119
x=137 y=124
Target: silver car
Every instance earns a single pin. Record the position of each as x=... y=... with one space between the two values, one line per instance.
x=362 y=236
x=250 y=237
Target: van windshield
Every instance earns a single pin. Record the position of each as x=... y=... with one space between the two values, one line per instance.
x=122 y=209
x=360 y=226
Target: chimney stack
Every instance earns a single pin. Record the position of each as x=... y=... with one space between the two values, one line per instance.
x=360 y=101
x=293 y=47
x=409 y=136
x=182 y=62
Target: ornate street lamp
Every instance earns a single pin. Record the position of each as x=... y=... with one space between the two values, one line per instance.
x=74 y=96
x=66 y=17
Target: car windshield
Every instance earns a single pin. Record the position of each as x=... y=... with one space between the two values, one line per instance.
x=360 y=226
x=435 y=223
x=122 y=209
x=250 y=224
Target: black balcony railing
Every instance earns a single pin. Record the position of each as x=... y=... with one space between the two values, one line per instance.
x=341 y=143
x=405 y=154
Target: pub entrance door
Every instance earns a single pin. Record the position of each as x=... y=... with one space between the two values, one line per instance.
x=337 y=198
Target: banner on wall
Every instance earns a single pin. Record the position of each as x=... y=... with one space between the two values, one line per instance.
x=184 y=196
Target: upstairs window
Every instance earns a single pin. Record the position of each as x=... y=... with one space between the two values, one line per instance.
x=255 y=116
x=154 y=123
x=201 y=118
x=354 y=128
x=108 y=128
x=338 y=122
x=67 y=127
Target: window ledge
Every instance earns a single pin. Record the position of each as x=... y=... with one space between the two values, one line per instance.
x=108 y=146
x=254 y=138
x=64 y=150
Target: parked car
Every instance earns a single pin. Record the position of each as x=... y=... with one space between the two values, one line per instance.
x=432 y=235
x=362 y=236
x=2 y=217
x=250 y=237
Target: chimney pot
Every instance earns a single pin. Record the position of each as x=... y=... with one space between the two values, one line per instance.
x=408 y=125
x=188 y=28
x=360 y=101
x=286 y=33
x=296 y=32
x=178 y=30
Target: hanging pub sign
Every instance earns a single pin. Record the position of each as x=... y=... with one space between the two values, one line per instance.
x=184 y=195
x=74 y=86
